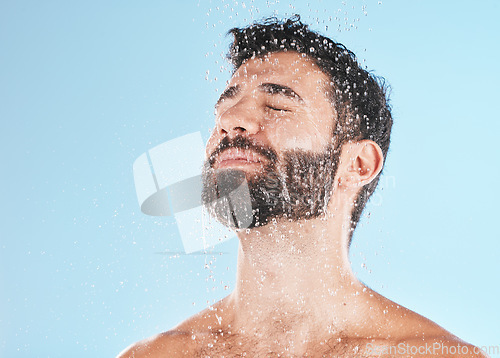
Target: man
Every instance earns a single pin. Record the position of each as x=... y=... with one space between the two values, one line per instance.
x=306 y=130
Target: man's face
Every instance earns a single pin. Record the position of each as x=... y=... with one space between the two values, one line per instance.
x=274 y=125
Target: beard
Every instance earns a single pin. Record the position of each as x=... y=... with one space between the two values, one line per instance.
x=299 y=187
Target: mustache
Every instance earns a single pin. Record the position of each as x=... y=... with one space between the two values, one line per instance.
x=241 y=142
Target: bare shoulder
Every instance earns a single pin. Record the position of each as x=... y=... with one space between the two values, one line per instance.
x=177 y=342
x=402 y=332
x=184 y=340
x=442 y=346
x=447 y=346
x=173 y=343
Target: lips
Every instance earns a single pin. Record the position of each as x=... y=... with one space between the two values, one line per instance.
x=237 y=157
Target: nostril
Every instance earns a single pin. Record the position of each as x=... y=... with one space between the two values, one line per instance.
x=233 y=130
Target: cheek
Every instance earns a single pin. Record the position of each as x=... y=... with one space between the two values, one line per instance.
x=307 y=134
x=297 y=141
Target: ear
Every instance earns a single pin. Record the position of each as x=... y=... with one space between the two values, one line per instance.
x=363 y=161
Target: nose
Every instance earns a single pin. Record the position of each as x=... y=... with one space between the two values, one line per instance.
x=240 y=119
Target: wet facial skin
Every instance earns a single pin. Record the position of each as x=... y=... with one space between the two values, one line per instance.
x=298 y=188
x=273 y=128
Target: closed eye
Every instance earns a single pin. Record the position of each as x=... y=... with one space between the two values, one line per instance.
x=278 y=109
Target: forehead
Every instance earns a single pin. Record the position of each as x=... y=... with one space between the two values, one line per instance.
x=290 y=67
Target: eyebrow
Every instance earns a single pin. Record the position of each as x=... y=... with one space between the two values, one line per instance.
x=282 y=90
x=269 y=88
x=229 y=92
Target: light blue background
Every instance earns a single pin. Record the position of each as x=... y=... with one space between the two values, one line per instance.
x=87 y=87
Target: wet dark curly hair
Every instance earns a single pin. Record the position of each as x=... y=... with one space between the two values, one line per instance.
x=360 y=99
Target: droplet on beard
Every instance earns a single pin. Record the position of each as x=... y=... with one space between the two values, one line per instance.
x=228 y=198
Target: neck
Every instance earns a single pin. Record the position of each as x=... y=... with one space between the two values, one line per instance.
x=294 y=278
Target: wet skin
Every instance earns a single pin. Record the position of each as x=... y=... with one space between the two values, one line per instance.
x=295 y=292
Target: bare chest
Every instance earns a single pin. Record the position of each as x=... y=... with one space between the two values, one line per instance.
x=233 y=347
